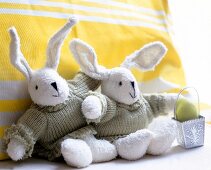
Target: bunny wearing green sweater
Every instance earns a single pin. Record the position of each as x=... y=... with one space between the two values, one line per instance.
x=121 y=113
x=54 y=122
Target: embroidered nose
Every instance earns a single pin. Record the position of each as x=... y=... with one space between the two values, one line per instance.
x=54 y=86
x=133 y=84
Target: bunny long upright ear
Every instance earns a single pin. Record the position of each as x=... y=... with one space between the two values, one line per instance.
x=16 y=57
x=86 y=57
x=147 y=57
x=55 y=43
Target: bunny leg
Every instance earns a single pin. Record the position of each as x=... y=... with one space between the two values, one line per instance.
x=164 y=132
x=15 y=150
x=134 y=146
x=76 y=153
x=102 y=150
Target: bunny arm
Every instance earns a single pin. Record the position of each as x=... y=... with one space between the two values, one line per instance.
x=161 y=104
x=82 y=83
x=27 y=130
x=118 y=119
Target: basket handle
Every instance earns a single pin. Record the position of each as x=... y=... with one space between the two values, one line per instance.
x=175 y=116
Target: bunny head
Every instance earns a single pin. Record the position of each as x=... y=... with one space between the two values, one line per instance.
x=46 y=87
x=118 y=83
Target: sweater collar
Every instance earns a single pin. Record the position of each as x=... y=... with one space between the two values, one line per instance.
x=49 y=109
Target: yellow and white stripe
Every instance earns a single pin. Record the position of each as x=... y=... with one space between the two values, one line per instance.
x=82 y=18
x=114 y=28
x=138 y=19
x=130 y=7
x=161 y=85
x=97 y=10
x=8 y=118
x=12 y=89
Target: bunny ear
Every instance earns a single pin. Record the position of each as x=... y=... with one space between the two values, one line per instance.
x=16 y=57
x=86 y=57
x=147 y=57
x=55 y=43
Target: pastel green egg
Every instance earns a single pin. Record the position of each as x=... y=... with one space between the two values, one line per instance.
x=185 y=110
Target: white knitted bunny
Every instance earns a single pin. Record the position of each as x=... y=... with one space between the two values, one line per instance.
x=54 y=121
x=122 y=114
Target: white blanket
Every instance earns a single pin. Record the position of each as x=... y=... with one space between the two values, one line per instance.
x=175 y=159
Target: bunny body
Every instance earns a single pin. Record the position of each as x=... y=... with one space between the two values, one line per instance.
x=54 y=121
x=125 y=113
x=50 y=125
x=119 y=120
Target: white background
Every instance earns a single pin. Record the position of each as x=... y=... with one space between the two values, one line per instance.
x=192 y=28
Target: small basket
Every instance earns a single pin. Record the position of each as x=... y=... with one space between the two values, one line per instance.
x=190 y=134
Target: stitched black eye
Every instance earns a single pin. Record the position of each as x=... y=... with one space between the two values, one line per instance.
x=36 y=87
x=120 y=83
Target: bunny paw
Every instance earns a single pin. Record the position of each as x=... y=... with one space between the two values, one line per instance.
x=91 y=107
x=15 y=150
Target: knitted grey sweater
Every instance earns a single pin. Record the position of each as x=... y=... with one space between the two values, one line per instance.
x=49 y=125
x=119 y=120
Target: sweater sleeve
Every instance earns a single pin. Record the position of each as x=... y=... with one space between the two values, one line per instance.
x=160 y=104
x=83 y=83
x=28 y=130
x=109 y=108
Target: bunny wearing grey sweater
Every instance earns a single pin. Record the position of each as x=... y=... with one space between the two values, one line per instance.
x=54 y=120
x=121 y=113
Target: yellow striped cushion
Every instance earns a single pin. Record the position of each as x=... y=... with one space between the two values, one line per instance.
x=115 y=28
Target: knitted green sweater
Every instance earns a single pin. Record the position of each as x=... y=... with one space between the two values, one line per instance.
x=119 y=120
x=49 y=125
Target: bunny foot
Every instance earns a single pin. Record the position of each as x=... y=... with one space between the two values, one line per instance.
x=76 y=153
x=164 y=133
x=135 y=145
x=102 y=150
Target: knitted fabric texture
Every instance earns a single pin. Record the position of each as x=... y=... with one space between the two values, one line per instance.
x=50 y=125
x=119 y=120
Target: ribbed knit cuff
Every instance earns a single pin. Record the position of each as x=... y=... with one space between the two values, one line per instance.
x=157 y=103
x=23 y=135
